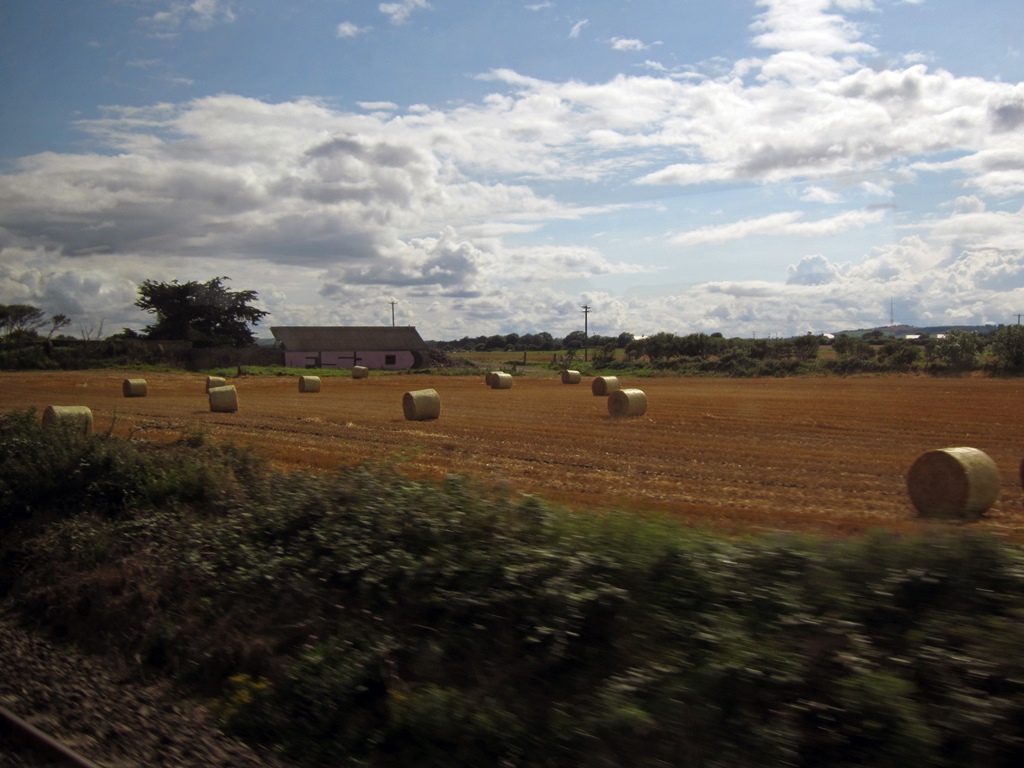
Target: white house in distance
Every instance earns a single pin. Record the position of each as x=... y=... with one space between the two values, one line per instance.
x=380 y=348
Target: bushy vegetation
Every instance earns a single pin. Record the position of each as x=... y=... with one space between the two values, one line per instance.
x=365 y=619
x=208 y=315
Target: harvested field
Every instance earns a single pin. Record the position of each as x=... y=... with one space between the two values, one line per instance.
x=821 y=455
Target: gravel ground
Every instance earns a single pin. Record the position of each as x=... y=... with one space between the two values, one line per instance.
x=106 y=713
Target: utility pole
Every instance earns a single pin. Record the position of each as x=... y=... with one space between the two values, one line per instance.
x=586 y=317
x=392 y=303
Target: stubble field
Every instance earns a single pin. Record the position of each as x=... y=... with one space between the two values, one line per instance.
x=817 y=455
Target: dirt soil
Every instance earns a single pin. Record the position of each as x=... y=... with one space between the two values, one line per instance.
x=823 y=455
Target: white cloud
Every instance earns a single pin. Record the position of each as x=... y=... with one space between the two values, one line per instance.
x=821 y=195
x=200 y=14
x=624 y=44
x=378 y=106
x=777 y=224
x=812 y=270
x=347 y=30
x=577 y=28
x=466 y=210
x=398 y=13
x=806 y=25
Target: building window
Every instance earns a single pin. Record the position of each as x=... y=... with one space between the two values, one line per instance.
x=389 y=359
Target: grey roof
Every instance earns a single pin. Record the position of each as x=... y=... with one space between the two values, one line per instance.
x=330 y=338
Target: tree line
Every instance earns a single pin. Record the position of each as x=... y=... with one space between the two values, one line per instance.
x=210 y=315
x=957 y=350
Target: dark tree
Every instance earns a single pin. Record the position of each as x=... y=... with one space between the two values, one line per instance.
x=1008 y=345
x=57 y=322
x=207 y=314
x=18 y=320
x=806 y=347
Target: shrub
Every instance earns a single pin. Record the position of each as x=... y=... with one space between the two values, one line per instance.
x=363 y=618
x=958 y=350
x=1007 y=344
x=898 y=355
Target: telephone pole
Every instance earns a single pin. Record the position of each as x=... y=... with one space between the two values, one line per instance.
x=586 y=317
x=392 y=303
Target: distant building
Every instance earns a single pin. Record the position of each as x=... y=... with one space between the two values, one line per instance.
x=377 y=347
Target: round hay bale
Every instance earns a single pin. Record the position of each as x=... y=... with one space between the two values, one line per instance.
x=77 y=418
x=134 y=388
x=627 y=402
x=489 y=378
x=605 y=385
x=215 y=381
x=421 y=405
x=360 y=372
x=571 y=377
x=309 y=383
x=953 y=483
x=501 y=380
x=224 y=399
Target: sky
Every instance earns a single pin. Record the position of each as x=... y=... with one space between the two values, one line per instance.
x=756 y=168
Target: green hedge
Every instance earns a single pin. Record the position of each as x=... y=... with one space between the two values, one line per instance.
x=365 y=619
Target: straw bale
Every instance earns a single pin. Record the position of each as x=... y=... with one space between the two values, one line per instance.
x=360 y=372
x=135 y=388
x=953 y=483
x=627 y=402
x=76 y=417
x=309 y=383
x=421 y=405
x=215 y=381
x=489 y=378
x=500 y=380
x=571 y=377
x=605 y=385
x=224 y=399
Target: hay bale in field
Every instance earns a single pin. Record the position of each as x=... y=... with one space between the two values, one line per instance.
x=78 y=418
x=134 y=388
x=309 y=383
x=360 y=372
x=501 y=380
x=571 y=377
x=215 y=381
x=489 y=378
x=953 y=483
x=223 y=399
x=605 y=385
x=421 y=405
x=627 y=402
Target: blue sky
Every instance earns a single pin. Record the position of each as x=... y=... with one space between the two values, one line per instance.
x=752 y=167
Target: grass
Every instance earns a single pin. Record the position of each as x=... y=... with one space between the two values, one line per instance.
x=362 y=618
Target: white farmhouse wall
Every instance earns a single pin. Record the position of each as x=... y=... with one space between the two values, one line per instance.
x=388 y=361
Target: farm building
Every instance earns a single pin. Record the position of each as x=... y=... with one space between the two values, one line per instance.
x=384 y=348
